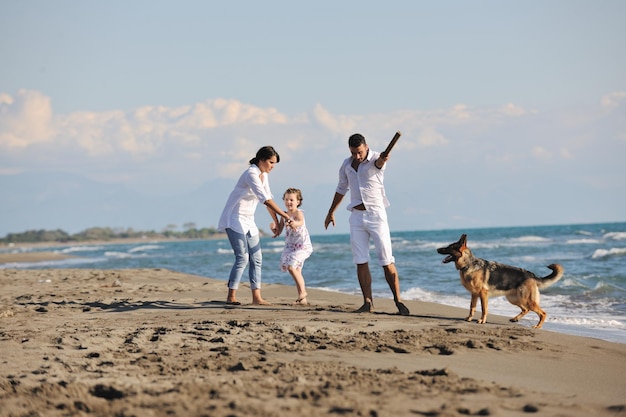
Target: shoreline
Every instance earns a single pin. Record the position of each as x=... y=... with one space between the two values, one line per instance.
x=32 y=257
x=130 y=241
x=46 y=256
x=158 y=342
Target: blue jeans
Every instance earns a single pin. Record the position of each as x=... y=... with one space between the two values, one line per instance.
x=247 y=248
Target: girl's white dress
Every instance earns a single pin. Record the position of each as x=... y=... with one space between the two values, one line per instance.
x=298 y=247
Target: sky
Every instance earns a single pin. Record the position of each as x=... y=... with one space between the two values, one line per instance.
x=511 y=113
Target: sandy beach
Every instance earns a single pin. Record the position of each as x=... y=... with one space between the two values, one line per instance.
x=31 y=257
x=152 y=342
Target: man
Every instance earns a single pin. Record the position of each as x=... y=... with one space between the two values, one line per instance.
x=363 y=175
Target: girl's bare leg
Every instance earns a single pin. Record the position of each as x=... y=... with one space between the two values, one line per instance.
x=296 y=274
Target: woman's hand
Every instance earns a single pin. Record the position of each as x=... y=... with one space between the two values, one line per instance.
x=277 y=228
x=274 y=228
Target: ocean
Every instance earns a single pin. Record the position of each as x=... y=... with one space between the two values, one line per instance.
x=588 y=301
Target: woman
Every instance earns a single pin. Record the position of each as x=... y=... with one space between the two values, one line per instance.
x=237 y=220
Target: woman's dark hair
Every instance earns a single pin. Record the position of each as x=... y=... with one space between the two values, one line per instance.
x=264 y=154
x=356 y=140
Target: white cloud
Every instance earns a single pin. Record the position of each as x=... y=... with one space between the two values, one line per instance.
x=540 y=152
x=233 y=156
x=461 y=112
x=340 y=125
x=25 y=119
x=613 y=100
x=511 y=109
x=566 y=153
x=161 y=150
x=429 y=137
x=216 y=138
x=99 y=134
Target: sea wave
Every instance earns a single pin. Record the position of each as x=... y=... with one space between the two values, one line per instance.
x=608 y=253
x=530 y=239
x=573 y=283
x=601 y=323
x=326 y=247
x=124 y=255
x=417 y=293
x=607 y=328
x=582 y=241
x=524 y=241
x=416 y=245
x=81 y=248
x=273 y=249
x=61 y=263
x=562 y=309
x=604 y=288
x=144 y=248
x=615 y=236
x=487 y=245
x=16 y=250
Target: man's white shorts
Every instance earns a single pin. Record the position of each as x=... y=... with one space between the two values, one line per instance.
x=366 y=225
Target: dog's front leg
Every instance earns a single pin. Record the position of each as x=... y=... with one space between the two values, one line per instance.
x=472 y=307
x=484 y=299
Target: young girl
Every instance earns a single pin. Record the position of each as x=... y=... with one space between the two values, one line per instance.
x=297 y=242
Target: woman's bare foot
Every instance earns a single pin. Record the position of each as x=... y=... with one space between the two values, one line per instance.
x=231 y=299
x=257 y=300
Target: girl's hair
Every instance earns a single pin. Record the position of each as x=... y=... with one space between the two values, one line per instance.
x=264 y=154
x=295 y=191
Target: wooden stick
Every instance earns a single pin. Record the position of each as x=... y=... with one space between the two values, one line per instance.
x=392 y=143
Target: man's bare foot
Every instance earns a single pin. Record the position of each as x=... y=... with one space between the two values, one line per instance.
x=367 y=307
x=402 y=309
x=261 y=302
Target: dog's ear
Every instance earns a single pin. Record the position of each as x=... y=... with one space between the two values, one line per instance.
x=463 y=240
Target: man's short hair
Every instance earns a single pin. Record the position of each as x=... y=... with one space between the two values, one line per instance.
x=356 y=140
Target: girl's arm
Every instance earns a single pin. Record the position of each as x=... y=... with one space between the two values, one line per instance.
x=277 y=228
x=275 y=212
x=298 y=220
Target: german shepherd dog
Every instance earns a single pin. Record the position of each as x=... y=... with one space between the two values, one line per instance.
x=485 y=278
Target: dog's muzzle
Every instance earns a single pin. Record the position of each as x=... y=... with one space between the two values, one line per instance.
x=448 y=258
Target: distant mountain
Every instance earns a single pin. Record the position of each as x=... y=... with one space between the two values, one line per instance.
x=53 y=200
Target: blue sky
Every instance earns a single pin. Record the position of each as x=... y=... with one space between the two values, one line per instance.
x=512 y=113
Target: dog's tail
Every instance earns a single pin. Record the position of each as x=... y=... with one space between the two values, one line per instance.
x=557 y=273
